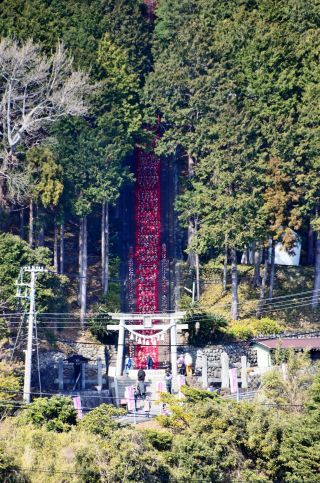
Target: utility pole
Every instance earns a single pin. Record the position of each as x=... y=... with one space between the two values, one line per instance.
x=33 y=270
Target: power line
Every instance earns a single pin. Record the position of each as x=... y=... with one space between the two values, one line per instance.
x=226 y=304
x=99 y=316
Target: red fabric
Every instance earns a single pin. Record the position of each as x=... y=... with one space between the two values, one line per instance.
x=147 y=249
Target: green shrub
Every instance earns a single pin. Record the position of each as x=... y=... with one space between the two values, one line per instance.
x=247 y=328
x=98 y=326
x=240 y=330
x=194 y=395
x=55 y=414
x=9 y=388
x=314 y=393
x=9 y=471
x=266 y=326
x=160 y=440
x=204 y=328
x=101 y=420
x=185 y=302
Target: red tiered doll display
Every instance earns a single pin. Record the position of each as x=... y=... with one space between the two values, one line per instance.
x=147 y=250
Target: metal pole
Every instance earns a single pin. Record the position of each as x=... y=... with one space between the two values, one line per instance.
x=28 y=359
x=193 y=291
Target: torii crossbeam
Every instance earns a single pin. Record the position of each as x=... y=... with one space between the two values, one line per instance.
x=147 y=324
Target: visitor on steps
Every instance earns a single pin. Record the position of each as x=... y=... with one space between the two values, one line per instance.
x=181 y=365
x=188 y=363
x=142 y=389
x=168 y=381
x=136 y=395
x=127 y=364
x=149 y=362
x=141 y=384
x=141 y=375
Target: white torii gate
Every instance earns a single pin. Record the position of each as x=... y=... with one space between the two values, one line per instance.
x=147 y=320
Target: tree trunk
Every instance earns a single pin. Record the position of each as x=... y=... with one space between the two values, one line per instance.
x=263 y=283
x=192 y=257
x=197 y=264
x=22 y=223
x=41 y=233
x=256 y=263
x=80 y=259
x=55 y=247
x=105 y=246
x=316 y=285
x=197 y=276
x=225 y=269
x=83 y=268
x=234 y=285
x=272 y=268
x=62 y=248
x=310 y=255
x=31 y=223
x=103 y=251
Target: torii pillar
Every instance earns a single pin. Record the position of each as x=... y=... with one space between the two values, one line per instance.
x=147 y=325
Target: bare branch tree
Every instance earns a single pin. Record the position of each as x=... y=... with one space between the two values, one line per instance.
x=35 y=91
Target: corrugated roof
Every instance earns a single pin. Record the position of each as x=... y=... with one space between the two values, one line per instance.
x=307 y=343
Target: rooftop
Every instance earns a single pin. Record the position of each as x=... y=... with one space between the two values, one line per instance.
x=311 y=343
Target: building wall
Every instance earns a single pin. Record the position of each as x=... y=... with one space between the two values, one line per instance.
x=263 y=357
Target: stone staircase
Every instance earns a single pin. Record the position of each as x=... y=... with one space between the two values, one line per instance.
x=153 y=377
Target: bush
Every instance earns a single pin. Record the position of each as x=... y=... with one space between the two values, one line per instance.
x=9 y=471
x=266 y=326
x=55 y=414
x=101 y=420
x=247 y=328
x=314 y=393
x=209 y=327
x=240 y=330
x=9 y=388
x=194 y=395
x=160 y=440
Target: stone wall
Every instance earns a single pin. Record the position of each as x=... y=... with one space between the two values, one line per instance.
x=49 y=359
x=213 y=353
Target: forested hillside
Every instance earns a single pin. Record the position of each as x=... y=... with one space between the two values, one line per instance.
x=71 y=89
x=236 y=85
x=234 y=88
x=153 y=157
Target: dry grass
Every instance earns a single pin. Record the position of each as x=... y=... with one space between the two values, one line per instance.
x=289 y=280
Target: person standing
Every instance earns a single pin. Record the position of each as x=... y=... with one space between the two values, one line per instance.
x=188 y=363
x=127 y=364
x=181 y=365
x=149 y=362
x=168 y=381
x=211 y=387
x=141 y=384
